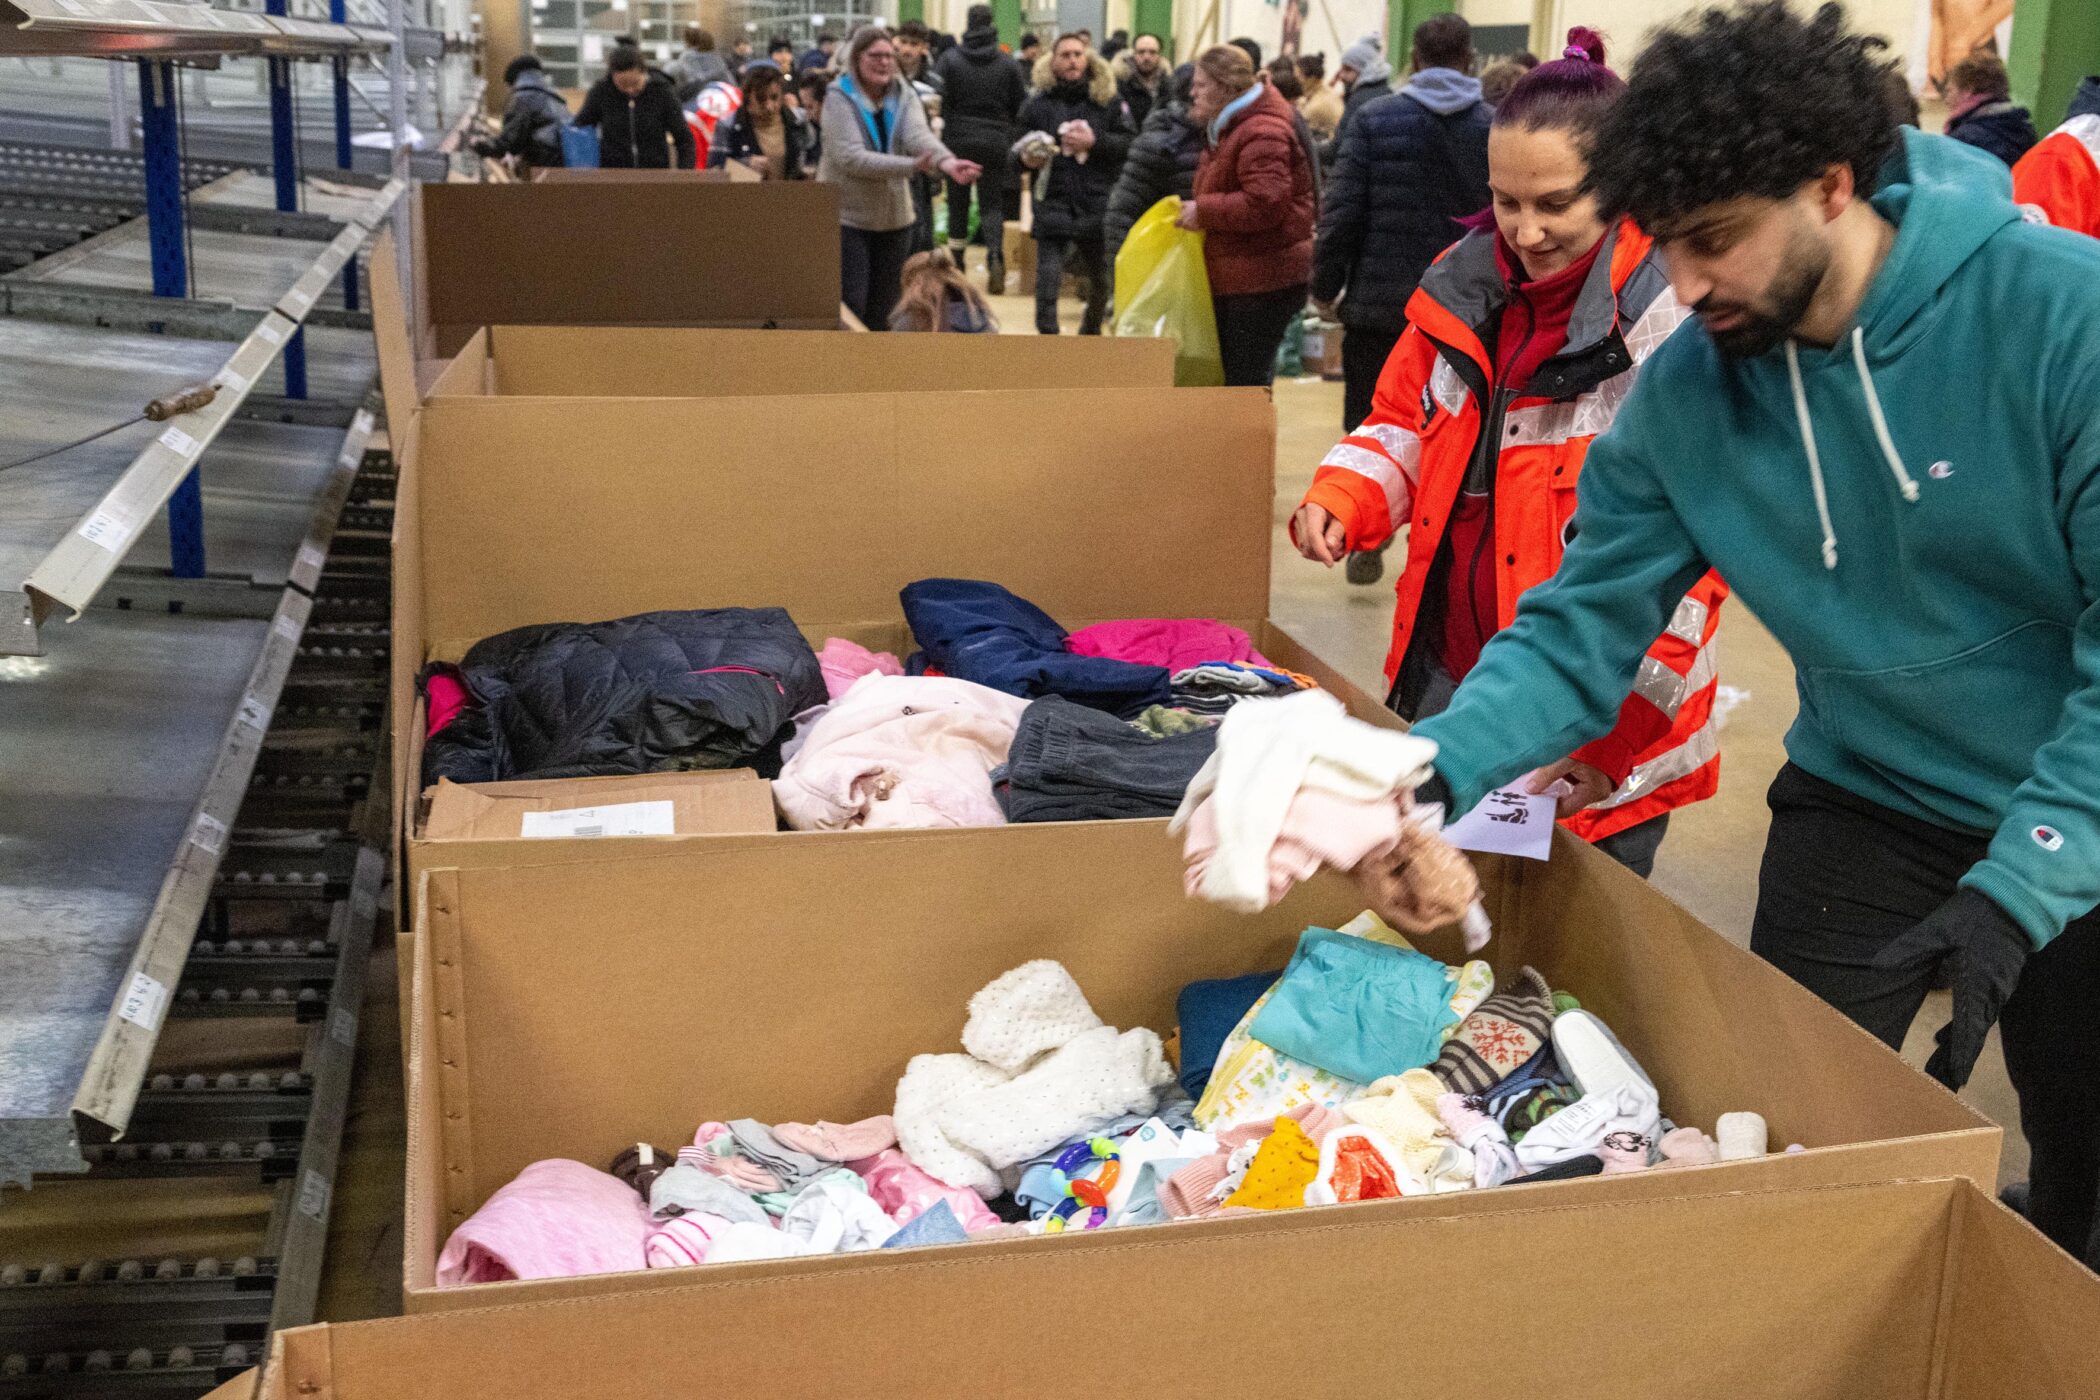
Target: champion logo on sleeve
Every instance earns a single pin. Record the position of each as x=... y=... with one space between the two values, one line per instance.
x=1940 y=471
x=2048 y=838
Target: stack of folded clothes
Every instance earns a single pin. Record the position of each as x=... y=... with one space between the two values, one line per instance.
x=1069 y=763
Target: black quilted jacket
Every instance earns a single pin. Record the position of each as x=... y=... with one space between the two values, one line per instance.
x=655 y=692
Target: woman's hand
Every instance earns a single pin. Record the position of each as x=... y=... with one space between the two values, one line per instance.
x=1587 y=786
x=1319 y=536
x=1187 y=217
x=962 y=172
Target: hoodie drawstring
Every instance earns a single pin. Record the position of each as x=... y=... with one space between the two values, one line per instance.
x=1815 y=460
x=1881 y=423
x=1904 y=481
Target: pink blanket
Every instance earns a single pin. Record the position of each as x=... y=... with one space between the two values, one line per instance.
x=1175 y=643
x=558 y=1219
x=845 y=662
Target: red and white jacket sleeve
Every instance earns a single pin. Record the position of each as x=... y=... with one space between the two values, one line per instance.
x=1367 y=480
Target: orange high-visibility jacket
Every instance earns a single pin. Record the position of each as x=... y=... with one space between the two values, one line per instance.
x=1405 y=464
x=2058 y=181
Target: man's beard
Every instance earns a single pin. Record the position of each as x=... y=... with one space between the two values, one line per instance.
x=1763 y=329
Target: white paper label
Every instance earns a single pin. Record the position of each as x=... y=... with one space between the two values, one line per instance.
x=1507 y=823
x=287 y=628
x=106 y=531
x=151 y=12
x=311 y=558
x=72 y=7
x=145 y=1001
x=179 y=442
x=210 y=834
x=618 y=819
x=232 y=381
x=255 y=714
x=313 y=1194
x=342 y=1024
x=270 y=333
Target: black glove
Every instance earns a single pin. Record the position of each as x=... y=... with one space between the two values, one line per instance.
x=1988 y=949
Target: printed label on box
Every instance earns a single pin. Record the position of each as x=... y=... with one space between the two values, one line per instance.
x=270 y=333
x=255 y=714
x=179 y=442
x=1506 y=823
x=617 y=819
x=144 y=1003
x=311 y=557
x=342 y=1024
x=209 y=835
x=232 y=381
x=72 y=7
x=313 y=1195
x=287 y=628
x=105 y=531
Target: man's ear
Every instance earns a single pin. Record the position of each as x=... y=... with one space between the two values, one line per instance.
x=1836 y=190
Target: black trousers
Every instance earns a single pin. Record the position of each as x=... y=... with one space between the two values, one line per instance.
x=991 y=204
x=871 y=272
x=1365 y=350
x=923 y=189
x=1842 y=877
x=1251 y=330
x=1092 y=257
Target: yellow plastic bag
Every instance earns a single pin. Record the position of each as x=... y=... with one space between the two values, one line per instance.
x=1162 y=290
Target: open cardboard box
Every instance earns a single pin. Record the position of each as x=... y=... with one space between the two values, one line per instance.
x=689 y=363
x=807 y=972
x=1911 y=1290
x=624 y=252
x=718 y=801
x=514 y=511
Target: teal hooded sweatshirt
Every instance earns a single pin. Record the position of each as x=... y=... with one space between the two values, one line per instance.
x=1916 y=517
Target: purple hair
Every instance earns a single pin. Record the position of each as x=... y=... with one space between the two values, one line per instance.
x=1570 y=94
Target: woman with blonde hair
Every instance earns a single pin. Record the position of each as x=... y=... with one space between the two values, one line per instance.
x=937 y=297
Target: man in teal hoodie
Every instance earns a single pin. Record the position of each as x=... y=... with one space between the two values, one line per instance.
x=1884 y=432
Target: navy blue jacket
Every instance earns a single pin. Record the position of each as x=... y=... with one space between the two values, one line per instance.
x=1404 y=178
x=2003 y=129
x=980 y=632
x=656 y=692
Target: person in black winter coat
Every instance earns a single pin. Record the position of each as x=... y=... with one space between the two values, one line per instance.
x=1142 y=78
x=765 y=119
x=1077 y=109
x=532 y=119
x=636 y=113
x=982 y=90
x=1981 y=112
x=1162 y=161
x=1366 y=77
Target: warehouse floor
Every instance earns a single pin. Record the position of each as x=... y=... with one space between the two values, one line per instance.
x=1709 y=863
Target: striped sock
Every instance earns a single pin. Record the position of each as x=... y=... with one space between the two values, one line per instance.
x=1503 y=1032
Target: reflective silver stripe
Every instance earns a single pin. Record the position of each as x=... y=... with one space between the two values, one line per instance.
x=1666 y=690
x=2085 y=131
x=1375 y=466
x=1688 y=623
x=1590 y=415
x=1665 y=768
x=1663 y=316
x=1544 y=423
x=1399 y=444
x=1446 y=387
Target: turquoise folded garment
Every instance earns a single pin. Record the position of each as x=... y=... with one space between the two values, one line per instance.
x=1358 y=1009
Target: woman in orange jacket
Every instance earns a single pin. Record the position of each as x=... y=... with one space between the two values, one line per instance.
x=1522 y=341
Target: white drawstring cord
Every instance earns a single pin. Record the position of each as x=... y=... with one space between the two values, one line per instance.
x=1881 y=424
x=1815 y=460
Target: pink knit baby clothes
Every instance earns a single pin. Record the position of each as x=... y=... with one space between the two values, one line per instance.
x=839 y=1142
x=1175 y=643
x=845 y=662
x=1320 y=828
x=904 y=1191
x=901 y=751
x=557 y=1219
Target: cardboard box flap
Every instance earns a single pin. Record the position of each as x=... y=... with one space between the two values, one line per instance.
x=629 y=252
x=660 y=361
x=390 y=335
x=730 y=801
x=1828 y=1294
x=1091 y=503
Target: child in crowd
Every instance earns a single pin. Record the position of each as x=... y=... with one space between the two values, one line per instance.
x=938 y=298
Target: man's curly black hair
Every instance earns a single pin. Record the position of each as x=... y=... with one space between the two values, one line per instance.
x=1755 y=100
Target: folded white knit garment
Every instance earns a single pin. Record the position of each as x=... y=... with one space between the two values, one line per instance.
x=1097 y=1076
x=931 y=1082
x=1020 y=1014
x=1266 y=751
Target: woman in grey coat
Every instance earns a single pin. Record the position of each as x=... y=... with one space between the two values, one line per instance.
x=876 y=138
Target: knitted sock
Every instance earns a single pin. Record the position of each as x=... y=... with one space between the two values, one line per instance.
x=1687 y=1147
x=640 y=1165
x=1501 y=1035
x=1021 y=1014
x=1187 y=1194
x=1284 y=1166
x=683 y=1241
x=840 y=1142
x=1742 y=1136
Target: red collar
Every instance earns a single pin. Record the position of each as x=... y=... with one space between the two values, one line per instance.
x=1535 y=318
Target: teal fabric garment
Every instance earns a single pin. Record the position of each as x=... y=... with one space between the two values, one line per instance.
x=1949 y=658
x=1355 y=1008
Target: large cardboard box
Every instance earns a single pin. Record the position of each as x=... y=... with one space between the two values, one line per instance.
x=809 y=970
x=679 y=362
x=671 y=252
x=1916 y=1290
x=514 y=511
